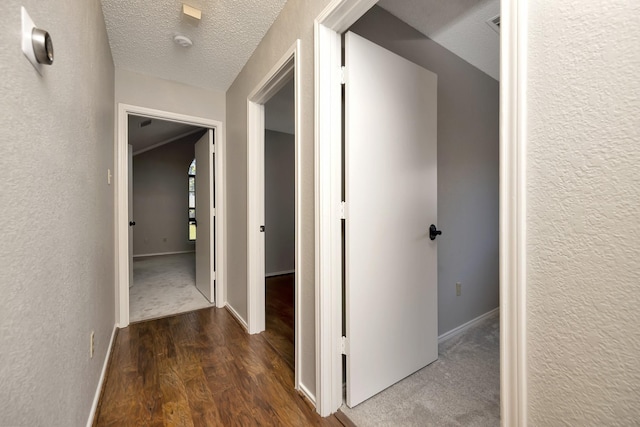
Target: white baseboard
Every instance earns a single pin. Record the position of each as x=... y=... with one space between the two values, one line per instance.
x=235 y=314
x=307 y=394
x=163 y=253
x=280 y=273
x=455 y=331
x=96 y=398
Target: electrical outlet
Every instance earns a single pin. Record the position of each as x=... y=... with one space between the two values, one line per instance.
x=458 y=289
x=92 y=344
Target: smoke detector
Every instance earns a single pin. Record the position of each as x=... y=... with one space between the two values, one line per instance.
x=183 y=41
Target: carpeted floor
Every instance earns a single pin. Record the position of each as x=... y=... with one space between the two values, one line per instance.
x=164 y=285
x=461 y=388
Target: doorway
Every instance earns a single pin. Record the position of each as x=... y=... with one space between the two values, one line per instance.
x=213 y=175
x=162 y=205
x=283 y=76
x=330 y=24
x=279 y=173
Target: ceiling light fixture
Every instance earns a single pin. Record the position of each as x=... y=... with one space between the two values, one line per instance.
x=183 y=41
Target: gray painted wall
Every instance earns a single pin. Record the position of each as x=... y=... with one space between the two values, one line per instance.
x=161 y=198
x=57 y=216
x=279 y=162
x=152 y=92
x=468 y=165
x=294 y=22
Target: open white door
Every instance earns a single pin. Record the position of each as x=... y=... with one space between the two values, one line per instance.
x=132 y=223
x=205 y=214
x=391 y=191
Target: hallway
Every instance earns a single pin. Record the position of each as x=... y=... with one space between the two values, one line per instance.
x=200 y=369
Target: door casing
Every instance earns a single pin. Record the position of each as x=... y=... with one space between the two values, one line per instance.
x=285 y=69
x=335 y=19
x=121 y=202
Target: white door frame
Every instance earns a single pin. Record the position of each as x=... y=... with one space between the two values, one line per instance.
x=337 y=17
x=287 y=67
x=121 y=202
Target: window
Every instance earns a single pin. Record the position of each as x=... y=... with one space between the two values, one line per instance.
x=192 y=201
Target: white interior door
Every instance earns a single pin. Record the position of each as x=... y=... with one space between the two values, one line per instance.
x=205 y=214
x=391 y=190
x=130 y=207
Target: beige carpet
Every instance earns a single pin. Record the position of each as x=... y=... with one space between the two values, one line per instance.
x=461 y=388
x=164 y=285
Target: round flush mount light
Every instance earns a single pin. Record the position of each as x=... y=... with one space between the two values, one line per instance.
x=183 y=41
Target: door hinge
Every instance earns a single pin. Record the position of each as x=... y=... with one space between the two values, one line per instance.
x=213 y=150
x=213 y=275
x=343 y=75
x=343 y=210
x=344 y=346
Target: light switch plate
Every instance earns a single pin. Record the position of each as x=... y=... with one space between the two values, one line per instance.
x=27 y=41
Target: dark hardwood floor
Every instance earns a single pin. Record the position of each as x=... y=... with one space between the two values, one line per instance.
x=280 y=311
x=200 y=369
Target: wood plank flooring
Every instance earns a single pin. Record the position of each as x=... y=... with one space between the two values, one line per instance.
x=280 y=311
x=200 y=369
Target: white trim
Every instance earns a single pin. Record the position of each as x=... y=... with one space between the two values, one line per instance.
x=235 y=314
x=279 y=273
x=288 y=66
x=103 y=373
x=121 y=202
x=163 y=253
x=166 y=141
x=306 y=393
x=513 y=81
x=460 y=329
x=336 y=18
x=333 y=20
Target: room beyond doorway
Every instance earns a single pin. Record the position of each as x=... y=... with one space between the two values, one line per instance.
x=122 y=201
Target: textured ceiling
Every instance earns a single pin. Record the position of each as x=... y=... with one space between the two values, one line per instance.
x=158 y=132
x=457 y=25
x=141 y=37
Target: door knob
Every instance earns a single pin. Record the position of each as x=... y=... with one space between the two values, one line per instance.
x=262 y=228
x=132 y=223
x=434 y=232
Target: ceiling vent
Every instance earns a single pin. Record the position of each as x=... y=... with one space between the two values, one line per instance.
x=494 y=23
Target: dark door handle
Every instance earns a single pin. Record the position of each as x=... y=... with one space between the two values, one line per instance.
x=132 y=223
x=434 y=232
x=262 y=228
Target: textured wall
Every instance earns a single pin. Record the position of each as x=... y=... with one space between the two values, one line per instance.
x=161 y=198
x=152 y=92
x=295 y=21
x=56 y=220
x=468 y=162
x=279 y=194
x=583 y=215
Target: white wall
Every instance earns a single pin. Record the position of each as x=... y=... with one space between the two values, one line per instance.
x=583 y=213
x=295 y=21
x=161 y=198
x=279 y=189
x=152 y=92
x=468 y=164
x=57 y=215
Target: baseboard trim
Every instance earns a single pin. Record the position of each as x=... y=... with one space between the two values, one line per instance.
x=455 y=331
x=307 y=394
x=105 y=365
x=163 y=253
x=280 y=273
x=239 y=318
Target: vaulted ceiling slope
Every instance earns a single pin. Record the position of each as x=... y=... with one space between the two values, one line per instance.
x=460 y=26
x=141 y=36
